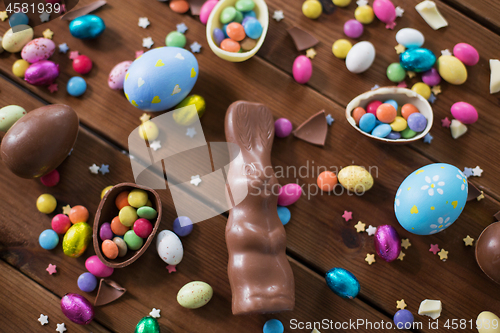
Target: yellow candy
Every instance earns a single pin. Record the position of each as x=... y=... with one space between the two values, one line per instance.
x=137 y=198
x=106 y=189
x=341 y=47
x=127 y=216
x=422 y=89
x=149 y=203
x=488 y=322
x=20 y=67
x=364 y=14
x=341 y=3
x=187 y=116
x=76 y=239
x=148 y=131
x=399 y=124
x=451 y=69
x=46 y=203
x=312 y=9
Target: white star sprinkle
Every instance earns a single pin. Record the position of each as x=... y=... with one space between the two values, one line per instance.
x=371 y=230
x=182 y=28
x=61 y=328
x=195 y=47
x=195 y=180
x=143 y=22
x=278 y=15
x=361 y=3
x=155 y=313
x=445 y=52
x=43 y=319
x=375 y=87
x=94 y=169
x=63 y=48
x=477 y=171
x=155 y=145
x=44 y=17
x=147 y=42
x=191 y=132
x=399 y=11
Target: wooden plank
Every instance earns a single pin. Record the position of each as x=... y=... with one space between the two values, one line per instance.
x=484 y=12
x=24 y=300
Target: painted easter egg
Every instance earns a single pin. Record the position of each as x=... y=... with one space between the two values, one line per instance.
x=87 y=27
x=431 y=198
x=38 y=49
x=9 y=115
x=355 y=178
x=169 y=247
x=76 y=239
x=417 y=60
x=117 y=75
x=77 y=308
x=360 y=57
x=161 y=78
x=195 y=294
x=14 y=41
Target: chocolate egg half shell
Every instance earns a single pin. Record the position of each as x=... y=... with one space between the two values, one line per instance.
x=488 y=251
x=40 y=141
x=77 y=308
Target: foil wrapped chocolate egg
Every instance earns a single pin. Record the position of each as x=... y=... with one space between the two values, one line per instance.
x=77 y=308
x=42 y=73
x=387 y=243
x=147 y=325
x=342 y=282
x=488 y=251
x=417 y=60
x=87 y=27
x=76 y=239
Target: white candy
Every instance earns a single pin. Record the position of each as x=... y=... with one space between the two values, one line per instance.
x=430 y=308
x=360 y=57
x=169 y=247
x=409 y=38
x=495 y=76
x=457 y=129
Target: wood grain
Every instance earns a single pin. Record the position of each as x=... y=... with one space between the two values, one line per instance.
x=484 y=12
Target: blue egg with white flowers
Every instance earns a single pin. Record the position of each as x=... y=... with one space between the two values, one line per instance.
x=87 y=27
x=417 y=60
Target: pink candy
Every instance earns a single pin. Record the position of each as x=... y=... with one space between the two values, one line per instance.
x=50 y=179
x=60 y=223
x=95 y=266
x=206 y=9
x=282 y=127
x=143 y=228
x=466 y=53
x=385 y=12
x=464 y=112
x=373 y=106
x=431 y=77
x=302 y=69
x=289 y=194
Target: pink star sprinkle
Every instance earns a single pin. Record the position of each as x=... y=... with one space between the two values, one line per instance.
x=53 y=88
x=402 y=84
x=390 y=25
x=63 y=8
x=434 y=248
x=347 y=215
x=73 y=55
x=51 y=269
x=446 y=122
x=171 y=268
x=138 y=53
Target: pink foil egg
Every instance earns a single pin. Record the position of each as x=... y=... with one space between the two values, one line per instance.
x=77 y=308
x=38 y=49
x=289 y=194
x=42 y=73
x=385 y=11
x=464 y=112
x=97 y=268
x=387 y=243
x=302 y=69
x=466 y=53
x=206 y=9
x=116 y=77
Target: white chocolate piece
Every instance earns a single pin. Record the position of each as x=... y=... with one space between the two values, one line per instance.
x=430 y=308
x=457 y=129
x=429 y=12
x=495 y=76
x=315 y=331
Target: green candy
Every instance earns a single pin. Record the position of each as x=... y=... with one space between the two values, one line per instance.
x=408 y=133
x=244 y=5
x=396 y=72
x=176 y=39
x=238 y=17
x=133 y=241
x=227 y=15
x=147 y=213
x=9 y=115
x=147 y=325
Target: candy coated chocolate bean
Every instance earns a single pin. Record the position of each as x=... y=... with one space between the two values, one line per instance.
x=143 y=228
x=206 y=9
x=357 y=113
x=46 y=203
x=417 y=122
x=183 y=226
x=133 y=241
x=367 y=122
x=392 y=102
x=219 y=36
x=394 y=136
x=364 y=14
x=117 y=227
x=282 y=127
x=407 y=110
x=60 y=224
x=78 y=214
x=76 y=86
x=127 y=216
x=466 y=53
x=122 y=246
x=408 y=133
x=382 y=130
x=247 y=44
x=289 y=194
x=105 y=231
x=422 y=89
x=244 y=5
x=341 y=47
x=109 y=249
x=19 y=67
x=228 y=14
x=284 y=215
x=326 y=181
x=176 y=39
x=253 y=28
x=399 y=124
x=396 y=72
x=273 y=326
x=82 y=64
x=105 y=190
x=384 y=10
x=87 y=282
x=179 y=6
x=341 y=3
x=373 y=106
x=48 y=239
x=122 y=200
x=51 y=179
x=137 y=198
x=353 y=29
x=230 y=45
x=451 y=69
x=312 y=9
x=235 y=31
x=302 y=69
x=431 y=77
x=95 y=266
x=147 y=212
x=386 y=113
x=464 y=112
x=403 y=319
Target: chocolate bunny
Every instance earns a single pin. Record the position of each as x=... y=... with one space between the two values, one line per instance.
x=259 y=273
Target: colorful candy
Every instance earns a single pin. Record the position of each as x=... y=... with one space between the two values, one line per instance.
x=360 y=57
x=194 y=295
x=422 y=89
x=417 y=122
x=387 y=243
x=137 y=198
x=60 y=224
x=48 y=239
x=327 y=181
x=148 y=324
x=105 y=231
x=341 y=48
x=77 y=309
x=284 y=215
x=116 y=77
x=219 y=36
x=431 y=77
x=51 y=179
x=466 y=53
x=46 y=203
x=206 y=9
x=175 y=39
x=382 y=130
x=289 y=194
x=142 y=228
x=95 y=266
x=18 y=19
x=134 y=242
x=407 y=110
x=109 y=249
x=127 y=216
x=235 y=31
x=355 y=179
x=373 y=106
x=87 y=27
x=117 y=227
x=78 y=214
x=464 y=112
x=38 y=49
x=183 y=226
x=385 y=11
x=122 y=246
x=273 y=326
x=312 y=9
x=302 y=69
x=147 y=212
x=410 y=38
x=82 y=64
x=364 y=14
x=41 y=73
x=353 y=29
x=253 y=28
x=187 y=116
x=169 y=247
x=386 y=113
x=396 y=72
x=357 y=113
x=14 y=42
x=342 y=282
x=179 y=6
x=451 y=69
x=76 y=86
x=282 y=127
x=87 y=282
x=417 y=60
x=122 y=199
x=367 y=122
x=403 y=319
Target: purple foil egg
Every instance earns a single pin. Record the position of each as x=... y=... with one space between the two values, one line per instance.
x=77 y=308
x=387 y=243
x=42 y=73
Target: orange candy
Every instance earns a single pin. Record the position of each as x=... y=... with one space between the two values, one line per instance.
x=179 y=6
x=235 y=31
x=230 y=45
x=78 y=214
x=357 y=113
x=110 y=249
x=117 y=227
x=386 y=113
x=327 y=181
x=407 y=110
x=122 y=200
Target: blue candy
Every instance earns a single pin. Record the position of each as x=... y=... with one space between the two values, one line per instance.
x=417 y=60
x=224 y=30
x=284 y=214
x=403 y=319
x=394 y=135
x=392 y=102
x=382 y=130
x=219 y=36
x=87 y=282
x=342 y=282
x=273 y=326
x=180 y=230
x=48 y=239
x=417 y=122
x=87 y=27
x=253 y=28
x=18 y=19
x=367 y=122
x=76 y=86
x=250 y=13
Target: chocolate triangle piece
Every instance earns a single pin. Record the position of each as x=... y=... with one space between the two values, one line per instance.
x=302 y=39
x=313 y=130
x=473 y=192
x=108 y=292
x=497 y=215
x=83 y=10
x=195 y=6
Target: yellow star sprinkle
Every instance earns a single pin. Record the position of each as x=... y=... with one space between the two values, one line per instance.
x=443 y=254
x=370 y=258
x=311 y=53
x=399 y=48
x=436 y=90
x=411 y=74
x=405 y=243
x=360 y=226
x=66 y=209
x=401 y=255
x=468 y=240
x=3 y=16
x=401 y=304
x=481 y=196
x=145 y=117
x=47 y=33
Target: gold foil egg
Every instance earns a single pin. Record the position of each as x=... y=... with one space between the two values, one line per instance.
x=76 y=239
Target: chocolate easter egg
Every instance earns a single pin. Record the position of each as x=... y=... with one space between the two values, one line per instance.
x=147 y=325
x=77 y=308
x=387 y=243
x=38 y=142
x=488 y=251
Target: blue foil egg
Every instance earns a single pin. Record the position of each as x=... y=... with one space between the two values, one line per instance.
x=431 y=198
x=160 y=78
x=87 y=27
x=342 y=282
x=417 y=60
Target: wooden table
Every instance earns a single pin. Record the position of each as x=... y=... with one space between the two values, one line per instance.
x=318 y=238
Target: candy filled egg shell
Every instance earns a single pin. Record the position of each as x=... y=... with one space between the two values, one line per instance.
x=431 y=198
x=160 y=78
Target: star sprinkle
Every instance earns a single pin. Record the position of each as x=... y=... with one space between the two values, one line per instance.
x=446 y=52
x=390 y=25
x=44 y=320
x=61 y=328
x=53 y=88
x=311 y=53
x=375 y=87
x=145 y=117
x=362 y=3
x=63 y=48
x=370 y=258
x=51 y=269
x=468 y=240
x=477 y=171
x=155 y=145
x=191 y=132
x=428 y=138
x=436 y=90
x=371 y=230
x=73 y=55
x=44 y=17
x=195 y=180
x=443 y=254
x=399 y=48
x=182 y=28
x=138 y=53
x=63 y=8
x=104 y=169
x=347 y=215
x=432 y=98
x=147 y=42
x=329 y=120
x=434 y=248
x=195 y=47
x=411 y=74
x=171 y=269
x=143 y=22
x=445 y=122
x=401 y=304
x=3 y=16
x=468 y=172
x=360 y=226
x=405 y=243
x=402 y=84
x=401 y=255
x=399 y=11
x=155 y=313
x=66 y=209
x=278 y=15
x=94 y=169
x=47 y=33
x=480 y=197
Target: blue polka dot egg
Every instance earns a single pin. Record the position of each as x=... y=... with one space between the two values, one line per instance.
x=161 y=78
x=431 y=198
